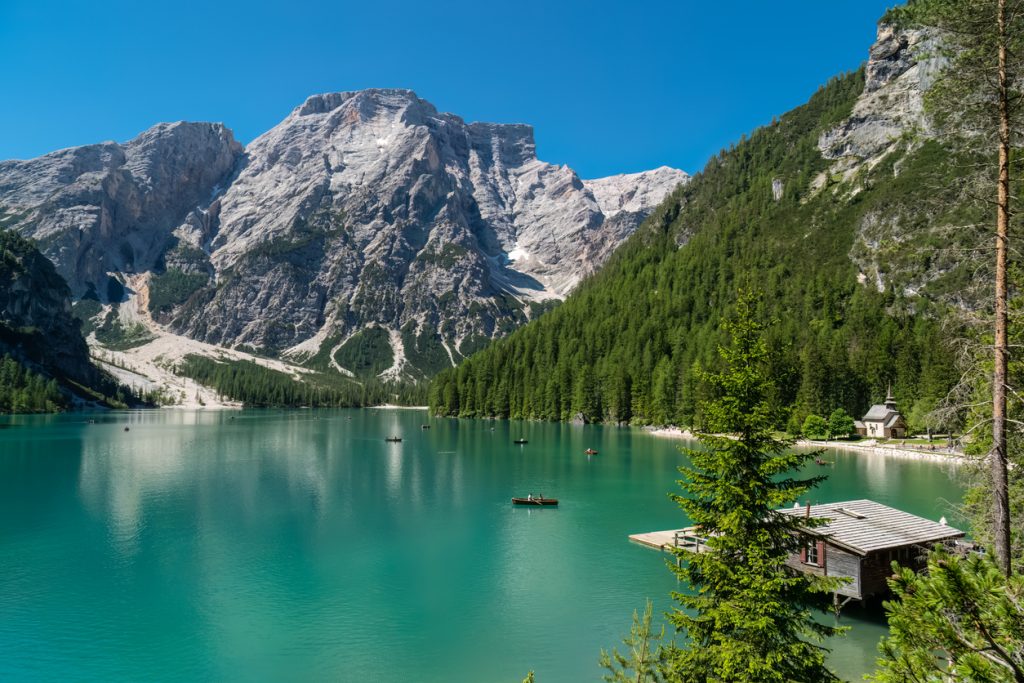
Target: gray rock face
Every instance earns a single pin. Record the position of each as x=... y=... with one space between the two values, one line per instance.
x=373 y=209
x=111 y=208
x=359 y=211
x=889 y=122
x=898 y=73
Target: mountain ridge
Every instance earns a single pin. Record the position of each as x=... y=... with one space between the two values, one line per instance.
x=363 y=216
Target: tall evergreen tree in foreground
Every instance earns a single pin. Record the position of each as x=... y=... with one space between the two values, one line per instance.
x=977 y=100
x=751 y=618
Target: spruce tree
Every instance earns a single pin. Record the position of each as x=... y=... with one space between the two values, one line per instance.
x=645 y=656
x=750 y=618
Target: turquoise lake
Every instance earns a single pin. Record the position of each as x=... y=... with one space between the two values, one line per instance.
x=298 y=545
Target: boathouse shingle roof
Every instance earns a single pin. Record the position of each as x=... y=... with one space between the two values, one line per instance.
x=864 y=526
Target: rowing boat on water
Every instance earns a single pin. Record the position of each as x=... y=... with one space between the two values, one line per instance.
x=533 y=500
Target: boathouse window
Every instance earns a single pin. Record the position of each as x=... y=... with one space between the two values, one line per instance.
x=812 y=553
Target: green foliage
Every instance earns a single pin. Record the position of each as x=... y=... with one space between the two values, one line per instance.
x=814 y=427
x=173 y=288
x=47 y=386
x=978 y=377
x=529 y=678
x=304 y=236
x=86 y=310
x=646 y=656
x=425 y=351
x=749 y=618
x=258 y=386
x=840 y=424
x=627 y=345
x=24 y=391
x=367 y=352
x=449 y=256
x=920 y=418
x=961 y=621
x=117 y=336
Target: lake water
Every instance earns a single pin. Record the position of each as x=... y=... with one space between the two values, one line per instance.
x=298 y=545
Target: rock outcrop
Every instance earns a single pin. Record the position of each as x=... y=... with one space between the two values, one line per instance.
x=899 y=70
x=889 y=139
x=110 y=209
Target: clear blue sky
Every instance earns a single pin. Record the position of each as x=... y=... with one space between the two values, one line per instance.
x=610 y=87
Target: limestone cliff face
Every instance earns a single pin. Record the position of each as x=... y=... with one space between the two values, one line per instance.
x=111 y=208
x=898 y=72
x=372 y=209
x=910 y=243
x=362 y=214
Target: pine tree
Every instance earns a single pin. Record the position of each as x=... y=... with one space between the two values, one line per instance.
x=752 y=617
x=977 y=98
x=963 y=620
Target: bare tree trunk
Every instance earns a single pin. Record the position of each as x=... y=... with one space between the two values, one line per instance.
x=998 y=456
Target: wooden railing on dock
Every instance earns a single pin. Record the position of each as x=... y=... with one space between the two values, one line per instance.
x=687 y=539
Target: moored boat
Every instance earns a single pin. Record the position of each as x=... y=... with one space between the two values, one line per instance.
x=393 y=439
x=590 y=451
x=535 y=500
x=520 y=442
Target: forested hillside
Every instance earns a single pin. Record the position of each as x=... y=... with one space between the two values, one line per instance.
x=629 y=344
x=44 y=359
x=257 y=386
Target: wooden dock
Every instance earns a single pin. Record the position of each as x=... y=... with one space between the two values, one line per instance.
x=686 y=539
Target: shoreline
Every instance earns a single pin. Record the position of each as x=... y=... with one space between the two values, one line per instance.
x=869 y=446
x=392 y=406
x=952 y=458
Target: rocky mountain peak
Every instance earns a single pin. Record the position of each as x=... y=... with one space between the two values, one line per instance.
x=635 y=192
x=111 y=208
x=889 y=57
x=394 y=216
x=365 y=224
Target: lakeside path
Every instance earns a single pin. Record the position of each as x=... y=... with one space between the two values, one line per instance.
x=867 y=446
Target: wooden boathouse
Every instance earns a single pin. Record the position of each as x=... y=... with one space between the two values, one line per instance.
x=859 y=542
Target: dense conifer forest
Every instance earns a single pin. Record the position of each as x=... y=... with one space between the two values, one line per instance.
x=630 y=344
x=24 y=391
x=257 y=386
